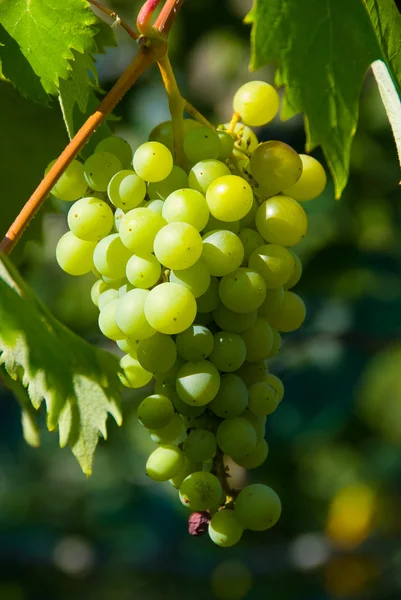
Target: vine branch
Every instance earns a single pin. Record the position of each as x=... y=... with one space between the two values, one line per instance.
x=145 y=15
x=167 y=16
x=176 y=105
x=117 y=19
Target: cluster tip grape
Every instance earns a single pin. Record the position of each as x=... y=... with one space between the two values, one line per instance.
x=196 y=269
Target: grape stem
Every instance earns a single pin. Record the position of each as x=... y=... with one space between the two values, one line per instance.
x=144 y=19
x=176 y=105
x=117 y=19
x=195 y=114
x=236 y=118
x=167 y=16
x=222 y=473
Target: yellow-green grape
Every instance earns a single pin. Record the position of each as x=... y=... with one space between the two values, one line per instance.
x=228 y=352
x=272 y=303
x=263 y=399
x=296 y=274
x=235 y=322
x=170 y=308
x=152 y=161
x=155 y=411
x=246 y=138
x=157 y=354
x=198 y=382
x=133 y=374
x=276 y=346
x=249 y=219
x=110 y=257
x=200 y=445
x=90 y=219
x=222 y=253
x=214 y=224
x=290 y=315
x=232 y=397
x=231 y=580
x=257 y=102
x=195 y=343
x=276 y=384
x=173 y=433
x=97 y=288
x=312 y=181
x=118 y=147
x=185 y=409
x=138 y=229
x=73 y=255
x=251 y=372
x=257 y=507
x=99 y=169
x=163 y=132
x=118 y=215
x=258 y=340
x=275 y=263
x=251 y=240
x=258 y=423
x=170 y=376
x=275 y=166
x=186 y=206
x=227 y=144
x=127 y=345
x=229 y=198
x=164 y=463
x=224 y=529
x=196 y=278
x=204 y=172
x=72 y=183
x=131 y=315
x=176 y=180
x=243 y=290
x=201 y=491
x=156 y=205
x=281 y=220
x=143 y=271
x=178 y=246
x=236 y=437
x=188 y=468
x=124 y=288
x=201 y=143
x=106 y=296
x=256 y=458
x=126 y=190
x=210 y=300
x=107 y=321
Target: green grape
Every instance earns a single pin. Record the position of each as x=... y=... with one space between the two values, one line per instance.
x=275 y=166
x=178 y=246
x=127 y=345
x=258 y=423
x=214 y=224
x=113 y=282
x=118 y=215
x=138 y=229
x=99 y=169
x=186 y=206
x=252 y=372
x=198 y=382
x=276 y=346
x=243 y=290
x=106 y=296
x=195 y=343
x=228 y=320
x=276 y=384
x=210 y=300
x=143 y=271
x=185 y=409
x=72 y=183
x=170 y=308
x=229 y=198
x=126 y=190
x=174 y=432
x=155 y=205
x=73 y=255
x=204 y=319
x=158 y=353
x=258 y=341
x=201 y=143
x=274 y=263
x=155 y=411
x=200 y=445
x=296 y=274
x=223 y=252
x=110 y=256
x=90 y=219
x=257 y=507
x=251 y=241
x=201 y=491
x=272 y=303
x=196 y=278
x=164 y=463
x=134 y=375
x=227 y=144
x=131 y=315
x=124 y=288
x=163 y=132
x=281 y=220
x=204 y=172
x=263 y=399
x=249 y=219
x=228 y=352
x=118 y=147
x=169 y=377
x=236 y=437
x=257 y=102
x=256 y=458
x=312 y=181
x=107 y=321
x=176 y=180
x=290 y=315
x=246 y=138
x=97 y=288
x=188 y=468
x=152 y=161
x=231 y=580
x=224 y=529
x=232 y=397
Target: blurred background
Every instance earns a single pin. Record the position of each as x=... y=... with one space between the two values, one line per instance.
x=334 y=442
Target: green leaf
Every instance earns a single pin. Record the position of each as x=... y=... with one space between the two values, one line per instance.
x=105 y=36
x=78 y=382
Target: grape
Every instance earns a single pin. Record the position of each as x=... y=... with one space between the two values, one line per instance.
x=97 y=288
x=157 y=354
x=188 y=468
x=163 y=132
x=169 y=377
x=210 y=300
x=228 y=352
x=126 y=190
x=262 y=399
x=290 y=315
x=257 y=507
x=296 y=274
x=236 y=437
x=227 y=144
x=200 y=445
x=185 y=409
x=246 y=138
x=72 y=183
x=224 y=529
x=99 y=169
x=196 y=278
x=276 y=346
x=256 y=458
x=251 y=241
x=124 y=288
x=229 y=198
x=178 y=246
x=110 y=256
x=312 y=181
x=143 y=271
x=201 y=491
x=243 y=290
x=258 y=340
x=214 y=224
x=248 y=220
x=138 y=230
x=127 y=345
x=107 y=321
x=204 y=319
x=201 y=143
x=257 y=102
x=118 y=215
x=195 y=343
x=276 y=384
x=73 y=255
x=118 y=147
x=176 y=180
x=205 y=172
x=106 y=296
x=164 y=463
x=275 y=166
x=228 y=320
x=232 y=397
x=173 y=433
x=252 y=372
x=272 y=303
x=152 y=161
x=231 y=580
x=281 y=220
x=155 y=205
x=170 y=308
x=187 y=206
x=198 y=382
x=274 y=263
x=155 y=411
x=259 y=425
x=90 y=219
x=134 y=375
x=131 y=315
x=223 y=252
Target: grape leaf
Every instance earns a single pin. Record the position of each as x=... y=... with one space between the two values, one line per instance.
x=78 y=382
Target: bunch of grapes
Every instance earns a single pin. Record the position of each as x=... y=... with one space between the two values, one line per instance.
x=195 y=274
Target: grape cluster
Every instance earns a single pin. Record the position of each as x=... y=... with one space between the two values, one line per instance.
x=195 y=273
